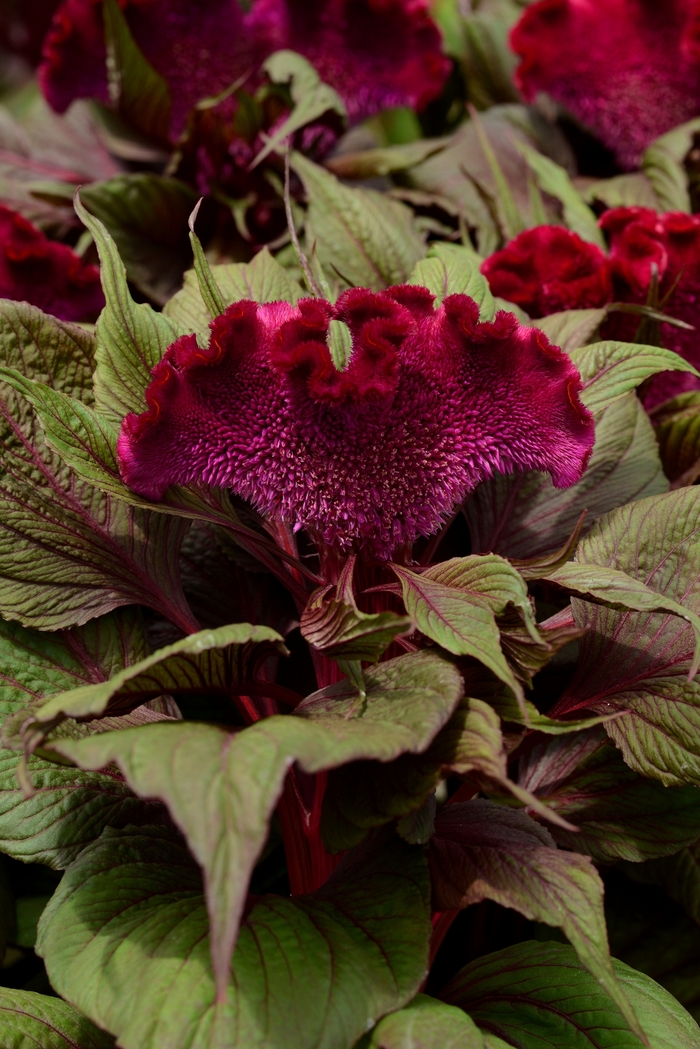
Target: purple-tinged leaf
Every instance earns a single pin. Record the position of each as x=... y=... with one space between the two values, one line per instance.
x=125 y=939
x=484 y=851
x=619 y=814
x=138 y=93
x=29 y=1020
x=677 y=426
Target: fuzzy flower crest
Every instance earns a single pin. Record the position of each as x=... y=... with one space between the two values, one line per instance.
x=431 y=403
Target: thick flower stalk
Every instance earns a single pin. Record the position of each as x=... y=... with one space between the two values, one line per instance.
x=51 y=276
x=370 y=457
x=549 y=269
x=627 y=69
x=375 y=53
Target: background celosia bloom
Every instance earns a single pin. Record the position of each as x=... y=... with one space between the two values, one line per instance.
x=431 y=403
x=46 y=274
x=627 y=69
x=376 y=53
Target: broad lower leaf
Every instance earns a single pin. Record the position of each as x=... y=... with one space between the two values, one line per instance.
x=146 y=214
x=29 y=1021
x=451 y=269
x=139 y=94
x=425 y=1023
x=635 y=663
x=67 y=551
x=125 y=939
x=525 y=516
x=484 y=851
x=311 y=97
x=536 y=994
x=223 y=659
x=224 y=813
x=554 y=180
x=131 y=338
x=677 y=426
x=362 y=237
x=609 y=370
x=619 y=814
x=69 y=808
x=262 y=280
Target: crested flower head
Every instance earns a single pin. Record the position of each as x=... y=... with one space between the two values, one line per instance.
x=375 y=53
x=430 y=403
x=548 y=269
x=627 y=69
x=51 y=276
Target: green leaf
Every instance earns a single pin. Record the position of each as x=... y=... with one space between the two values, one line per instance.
x=537 y=994
x=489 y=63
x=484 y=851
x=262 y=280
x=425 y=1023
x=638 y=663
x=69 y=808
x=385 y=160
x=311 y=97
x=125 y=939
x=632 y=190
x=68 y=552
x=334 y=625
x=451 y=269
x=362 y=237
x=662 y=163
x=225 y=810
x=554 y=180
x=140 y=95
x=619 y=814
x=146 y=214
x=525 y=516
x=131 y=338
x=220 y=659
x=510 y=218
x=571 y=328
x=677 y=425
x=609 y=370
x=29 y=1020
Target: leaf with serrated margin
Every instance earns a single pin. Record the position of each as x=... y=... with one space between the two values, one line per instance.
x=362 y=237
x=146 y=214
x=554 y=180
x=451 y=269
x=29 y=1020
x=425 y=1023
x=525 y=516
x=482 y=851
x=131 y=337
x=311 y=97
x=138 y=92
x=220 y=660
x=67 y=551
x=677 y=427
x=224 y=811
x=609 y=370
x=536 y=994
x=619 y=814
x=637 y=663
x=69 y=808
x=262 y=280
x=125 y=939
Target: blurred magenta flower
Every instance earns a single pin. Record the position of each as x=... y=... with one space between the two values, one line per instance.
x=549 y=269
x=375 y=53
x=627 y=69
x=51 y=276
x=431 y=403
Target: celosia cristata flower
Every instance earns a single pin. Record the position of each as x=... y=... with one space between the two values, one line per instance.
x=549 y=268
x=431 y=403
x=627 y=69
x=51 y=276
x=375 y=53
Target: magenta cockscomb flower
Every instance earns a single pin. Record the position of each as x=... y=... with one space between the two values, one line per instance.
x=376 y=53
x=432 y=402
x=627 y=69
x=51 y=276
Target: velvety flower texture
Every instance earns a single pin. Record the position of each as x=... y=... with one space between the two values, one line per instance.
x=549 y=269
x=51 y=276
x=627 y=69
x=376 y=53
x=432 y=402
